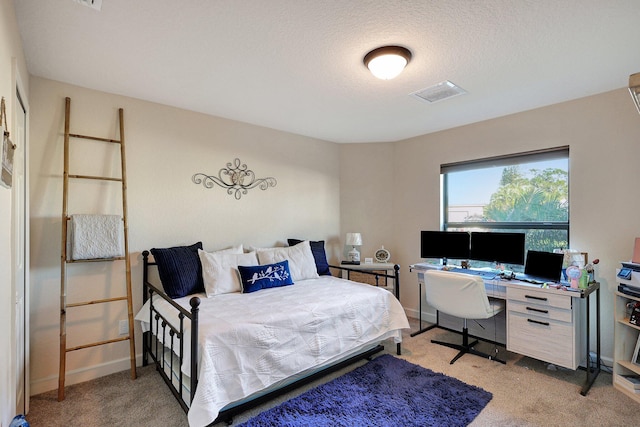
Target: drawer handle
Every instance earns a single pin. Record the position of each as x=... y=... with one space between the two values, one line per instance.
x=534 y=297
x=538 y=310
x=538 y=322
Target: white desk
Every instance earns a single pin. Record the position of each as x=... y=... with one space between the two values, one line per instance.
x=546 y=324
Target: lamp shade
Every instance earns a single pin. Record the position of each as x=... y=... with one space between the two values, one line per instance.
x=354 y=239
x=634 y=89
x=387 y=62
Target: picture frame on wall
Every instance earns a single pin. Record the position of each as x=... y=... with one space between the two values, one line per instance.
x=635 y=359
x=8 y=148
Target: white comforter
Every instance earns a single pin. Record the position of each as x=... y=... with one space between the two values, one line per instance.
x=251 y=341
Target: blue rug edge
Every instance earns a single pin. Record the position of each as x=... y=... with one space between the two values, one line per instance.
x=422 y=398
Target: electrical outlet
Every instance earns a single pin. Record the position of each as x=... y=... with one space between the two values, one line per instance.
x=124 y=327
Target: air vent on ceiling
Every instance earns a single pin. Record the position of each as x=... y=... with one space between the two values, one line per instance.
x=93 y=4
x=438 y=92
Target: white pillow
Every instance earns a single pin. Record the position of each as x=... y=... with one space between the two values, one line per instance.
x=302 y=265
x=220 y=270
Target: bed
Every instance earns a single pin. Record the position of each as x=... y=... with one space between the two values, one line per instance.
x=268 y=325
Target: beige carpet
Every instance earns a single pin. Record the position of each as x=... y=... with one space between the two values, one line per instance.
x=526 y=392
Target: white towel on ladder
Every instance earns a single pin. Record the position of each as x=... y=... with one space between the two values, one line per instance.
x=96 y=236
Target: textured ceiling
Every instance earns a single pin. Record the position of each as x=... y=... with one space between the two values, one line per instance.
x=296 y=65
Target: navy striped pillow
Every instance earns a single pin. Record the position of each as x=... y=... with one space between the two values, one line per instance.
x=179 y=269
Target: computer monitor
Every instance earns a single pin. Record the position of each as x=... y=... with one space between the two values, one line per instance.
x=444 y=244
x=544 y=265
x=503 y=248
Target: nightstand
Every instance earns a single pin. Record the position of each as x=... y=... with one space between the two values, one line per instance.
x=375 y=267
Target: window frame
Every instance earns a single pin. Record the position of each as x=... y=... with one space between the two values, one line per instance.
x=505 y=160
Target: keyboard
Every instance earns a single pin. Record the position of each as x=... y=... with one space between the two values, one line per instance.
x=532 y=279
x=482 y=273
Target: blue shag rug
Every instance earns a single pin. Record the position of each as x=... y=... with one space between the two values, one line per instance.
x=384 y=392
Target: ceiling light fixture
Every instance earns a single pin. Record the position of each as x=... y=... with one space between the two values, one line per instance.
x=387 y=62
x=634 y=89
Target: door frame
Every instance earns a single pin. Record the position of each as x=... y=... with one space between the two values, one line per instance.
x=21 y=249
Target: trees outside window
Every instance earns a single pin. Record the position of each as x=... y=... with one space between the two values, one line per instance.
x=526 y=193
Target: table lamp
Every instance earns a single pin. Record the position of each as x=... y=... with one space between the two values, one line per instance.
x=353 y=240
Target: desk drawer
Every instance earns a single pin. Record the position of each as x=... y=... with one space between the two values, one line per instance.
x=540 y=311
x=544 y=339
x=536 y=296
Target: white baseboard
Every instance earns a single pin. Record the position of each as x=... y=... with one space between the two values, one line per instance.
x=84 y=374
x=89 y=373
x=415 y=314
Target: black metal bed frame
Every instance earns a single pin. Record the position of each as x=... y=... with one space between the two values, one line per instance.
x=152 y=347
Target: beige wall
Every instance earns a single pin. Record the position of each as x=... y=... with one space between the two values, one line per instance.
x=367 y=195
x=165 y=147
x=603 y=133
x=12 y=69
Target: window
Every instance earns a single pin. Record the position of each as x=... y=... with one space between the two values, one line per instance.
x=527 y=192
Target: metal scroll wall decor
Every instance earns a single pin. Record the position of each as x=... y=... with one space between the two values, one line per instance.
x=236 y=178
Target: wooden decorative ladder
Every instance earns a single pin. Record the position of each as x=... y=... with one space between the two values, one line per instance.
x=64 y=306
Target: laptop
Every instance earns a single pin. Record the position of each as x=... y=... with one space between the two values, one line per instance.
x=542 y=267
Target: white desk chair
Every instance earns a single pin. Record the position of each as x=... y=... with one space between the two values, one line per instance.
x=461 y=295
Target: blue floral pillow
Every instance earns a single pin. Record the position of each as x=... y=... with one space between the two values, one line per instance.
x=265 y=276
